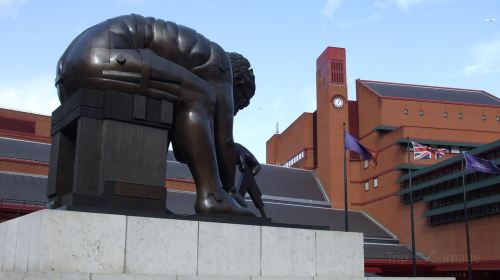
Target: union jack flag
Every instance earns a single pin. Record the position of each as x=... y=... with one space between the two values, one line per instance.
x=423 y=152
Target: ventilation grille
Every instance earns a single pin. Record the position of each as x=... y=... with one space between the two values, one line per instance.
x=337 y=71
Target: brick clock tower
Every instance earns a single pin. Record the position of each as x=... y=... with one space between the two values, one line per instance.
x=332 y=113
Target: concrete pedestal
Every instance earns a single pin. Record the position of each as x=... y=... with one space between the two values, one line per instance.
x=56 y=244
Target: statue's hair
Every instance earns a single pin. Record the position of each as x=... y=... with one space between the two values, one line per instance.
x=242 y=72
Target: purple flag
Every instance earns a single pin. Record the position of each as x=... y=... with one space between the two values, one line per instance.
x=352 y=144
x=473 y=163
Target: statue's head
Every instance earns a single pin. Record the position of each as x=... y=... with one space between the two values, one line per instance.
x=243 y=81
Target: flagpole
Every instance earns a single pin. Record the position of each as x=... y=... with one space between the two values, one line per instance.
x=413 y=253
x=466 y=218
x=346 y=213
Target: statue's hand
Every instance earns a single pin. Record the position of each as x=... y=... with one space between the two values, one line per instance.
x=256 y=169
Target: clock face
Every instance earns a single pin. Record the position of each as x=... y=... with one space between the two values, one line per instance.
x=338 y=102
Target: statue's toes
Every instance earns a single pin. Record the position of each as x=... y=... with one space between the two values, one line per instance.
x=220 y=204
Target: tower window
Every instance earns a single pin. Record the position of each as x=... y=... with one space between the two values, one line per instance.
x=460 y=115
x=405 y=111
x=483 y=117
x=445 y=114
x=337 y=71
x=366 y=186
x=421 y=113
x=375 y=183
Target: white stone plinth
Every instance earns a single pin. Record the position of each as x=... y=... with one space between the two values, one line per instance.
x=229 y=249
x=15 y=275
x=161 y=246
x=338 y=253
x=116 y=246
x=288 y=252
x=64 y=241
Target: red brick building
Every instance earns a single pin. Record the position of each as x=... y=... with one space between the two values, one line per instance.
x=311 y=192
x=383 y=116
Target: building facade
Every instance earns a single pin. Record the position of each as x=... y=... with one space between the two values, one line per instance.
x=292 y=196
x=307 y=185
x=24 y=135
x=383 y=117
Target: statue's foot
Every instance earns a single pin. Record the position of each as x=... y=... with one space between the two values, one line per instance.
x=238 y=198
x=219 y=203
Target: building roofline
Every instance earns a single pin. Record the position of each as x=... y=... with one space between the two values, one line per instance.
x=386 y=230
x=426 y=86
x=293 y=122
x=321 y=188
x=23 y=111
x=288 y=167
x=440 y=101
x=430 y=87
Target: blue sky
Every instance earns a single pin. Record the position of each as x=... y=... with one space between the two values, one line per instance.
x=451 y=43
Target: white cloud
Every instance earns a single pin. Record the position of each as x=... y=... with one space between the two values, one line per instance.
x=406 y=5
x=330 y=7
x=380 y=9
x=33 y=94
x=485 y=59
x=8 y=8
x=402 y=5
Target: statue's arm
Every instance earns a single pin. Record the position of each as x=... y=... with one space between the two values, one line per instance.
x=246 y=160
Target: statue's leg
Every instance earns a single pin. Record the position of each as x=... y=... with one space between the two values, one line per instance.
x=193 y=137
x=224 y=143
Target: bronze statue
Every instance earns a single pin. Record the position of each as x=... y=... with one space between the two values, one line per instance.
x=163 y=60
